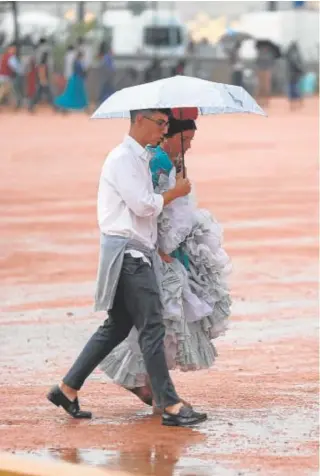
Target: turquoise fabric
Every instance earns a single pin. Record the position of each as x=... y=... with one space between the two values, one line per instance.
x=159 y=164
x=74 y=96
x=180 y=255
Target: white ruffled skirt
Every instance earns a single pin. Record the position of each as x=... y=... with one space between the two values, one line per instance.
x=196 y=303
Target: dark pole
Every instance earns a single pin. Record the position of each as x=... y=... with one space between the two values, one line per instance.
x=154 y=7
x=14 y=7
x=81 y=10
x=182 y=149
x=272 y=6
x=103 y=8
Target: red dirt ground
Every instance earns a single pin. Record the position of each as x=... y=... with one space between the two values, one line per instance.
x=260 y=179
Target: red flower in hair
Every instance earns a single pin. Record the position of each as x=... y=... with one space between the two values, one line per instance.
x=185 y=113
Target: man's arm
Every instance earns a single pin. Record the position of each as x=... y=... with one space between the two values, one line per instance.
x=133 y=189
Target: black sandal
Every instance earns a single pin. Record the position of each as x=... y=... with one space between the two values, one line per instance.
x=186 y=417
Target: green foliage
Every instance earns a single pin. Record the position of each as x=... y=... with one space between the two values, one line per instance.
x=58 y=53
x=81 y=29
x=75 y=31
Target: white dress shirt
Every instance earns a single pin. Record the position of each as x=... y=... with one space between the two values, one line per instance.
x=127 y=204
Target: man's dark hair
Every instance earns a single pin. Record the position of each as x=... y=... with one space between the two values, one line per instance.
x=148 y=112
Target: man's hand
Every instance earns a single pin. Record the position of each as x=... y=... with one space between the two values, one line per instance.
x=164 y=257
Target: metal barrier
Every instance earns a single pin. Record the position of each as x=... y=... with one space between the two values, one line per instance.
x=130 y=70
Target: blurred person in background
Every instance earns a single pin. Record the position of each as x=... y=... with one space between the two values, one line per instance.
x=264 y=63
x=295 y=72
x=69 y=60
x=128 y=77
x=31 y=76
x=68 y=64
x=86 y=51
x=133 y=76
x=153 y=71
x=44 y=47
x=74 y=96
x=106 y=72
x=43 y=83
x=10 y=76
x=179 y=68
x=191 y=47
x=236 y=65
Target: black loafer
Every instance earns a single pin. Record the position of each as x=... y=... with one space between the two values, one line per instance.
x=58 y=398
x=186 y=417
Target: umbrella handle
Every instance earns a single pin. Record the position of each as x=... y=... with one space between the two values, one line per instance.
x=182 y=150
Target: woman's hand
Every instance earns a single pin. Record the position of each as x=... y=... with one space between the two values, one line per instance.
x=179 y=175
x=179 y=169
x=164 y=257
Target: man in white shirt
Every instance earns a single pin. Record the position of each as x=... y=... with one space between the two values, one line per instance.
x=127 y=285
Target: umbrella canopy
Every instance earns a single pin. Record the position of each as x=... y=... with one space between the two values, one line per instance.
x=181 y=92
x=271 y=46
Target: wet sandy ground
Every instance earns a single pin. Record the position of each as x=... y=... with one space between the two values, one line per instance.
x=260 y=179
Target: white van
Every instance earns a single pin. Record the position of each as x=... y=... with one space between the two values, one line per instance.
x=154 y=33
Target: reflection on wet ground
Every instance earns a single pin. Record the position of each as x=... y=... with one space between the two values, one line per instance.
x=156 y=461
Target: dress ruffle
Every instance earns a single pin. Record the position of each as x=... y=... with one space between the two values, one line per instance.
x=196 y=302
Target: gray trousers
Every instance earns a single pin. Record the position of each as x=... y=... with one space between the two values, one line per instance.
x=136 y=303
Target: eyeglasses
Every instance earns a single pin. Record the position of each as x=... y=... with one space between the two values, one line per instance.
x=159 y=122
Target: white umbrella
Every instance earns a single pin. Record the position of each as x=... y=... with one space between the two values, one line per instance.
x=179 y=92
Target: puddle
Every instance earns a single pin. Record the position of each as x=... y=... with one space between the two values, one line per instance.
x=149 y=463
